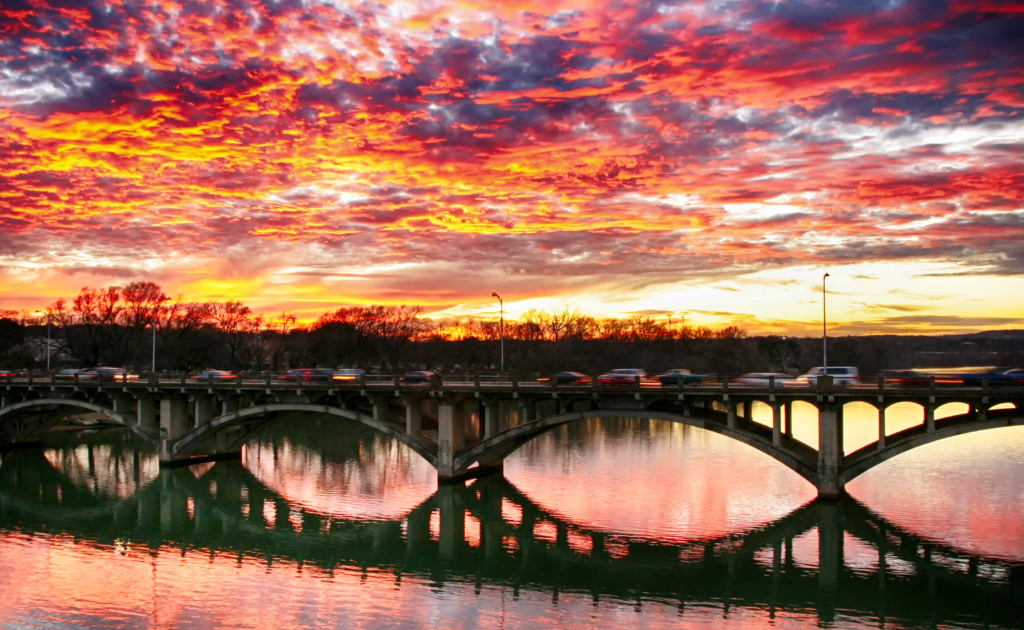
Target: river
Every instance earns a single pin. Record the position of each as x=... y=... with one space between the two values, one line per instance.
x=600 y=524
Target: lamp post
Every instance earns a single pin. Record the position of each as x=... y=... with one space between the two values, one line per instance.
x=47 y=340
x=501 y=306
x=824 y=327
x=155 y=320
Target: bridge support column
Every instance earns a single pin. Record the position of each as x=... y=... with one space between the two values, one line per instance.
x=526 y=411
x=776 y=424
x=881 y=428
x=789 y=419
x=381 y=408
x=830 y=449
x=174 y=423
x=929 y=417
x=228 y=405
x=123 y=405
x=413 y=417
x=148 y=413
x=492 y=417
x=730 y=414
x=451 y=433
x=174 y=420
x=205 y=409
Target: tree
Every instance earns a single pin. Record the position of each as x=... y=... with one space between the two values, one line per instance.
x=234 y=321
x=92 y=328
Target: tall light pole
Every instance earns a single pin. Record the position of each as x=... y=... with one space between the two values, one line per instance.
x=47 y=340
x=155 y=320
x=501 y=306
x=824 y=327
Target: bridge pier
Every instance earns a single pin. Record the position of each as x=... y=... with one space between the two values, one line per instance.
x=776 y=424
x=205 y=409
x=830 y=449
x=413 y=416
x=148 y=413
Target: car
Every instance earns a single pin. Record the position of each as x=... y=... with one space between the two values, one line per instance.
x=972 y=376
x=567 y=378
x=905 y=378
x=841 y=375
x=214 y=375
x=12 y=373
x=672 y=377
x=418 y=376
x=107 y=374
x=348 y=374
x=68 y=374
x=763 y=379
x=315 y=375
x=622 y=376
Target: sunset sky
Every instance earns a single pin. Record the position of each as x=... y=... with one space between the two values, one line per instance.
x=708 y=160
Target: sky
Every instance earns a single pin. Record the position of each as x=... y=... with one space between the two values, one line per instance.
x=700 y=160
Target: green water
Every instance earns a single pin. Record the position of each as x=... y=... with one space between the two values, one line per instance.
x=610 y=524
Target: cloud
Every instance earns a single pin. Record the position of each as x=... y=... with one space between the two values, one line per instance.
x=544 y=147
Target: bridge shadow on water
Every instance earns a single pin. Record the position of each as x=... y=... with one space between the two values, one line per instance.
x=829 y=559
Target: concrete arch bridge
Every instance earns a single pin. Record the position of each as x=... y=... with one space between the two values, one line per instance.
x=466 y=429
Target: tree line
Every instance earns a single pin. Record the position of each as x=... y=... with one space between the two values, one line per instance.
x=118 y=325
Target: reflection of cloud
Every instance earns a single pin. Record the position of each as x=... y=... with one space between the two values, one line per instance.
x=573 y=145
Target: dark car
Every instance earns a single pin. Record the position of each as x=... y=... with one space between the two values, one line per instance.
x=567 y=378
x=315 y=375
x=214 y=375
x=672 y=377
x=905 y=378
x=11 y=373
x=419 y=376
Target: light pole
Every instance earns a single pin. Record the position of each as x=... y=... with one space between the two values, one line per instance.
x=501 y=306
x=824 y=327
x=155 y=320
x=47 y=340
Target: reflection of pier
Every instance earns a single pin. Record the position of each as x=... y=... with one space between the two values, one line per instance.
x=467 y=429
x=490 y=533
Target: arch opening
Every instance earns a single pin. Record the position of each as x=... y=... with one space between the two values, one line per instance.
x=799 y=458
x=249 y=422
x=65 y=407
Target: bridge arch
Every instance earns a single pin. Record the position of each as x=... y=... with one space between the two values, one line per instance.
x=866 y=458
x=66 y=406
x=260 y=417
x=801 y=459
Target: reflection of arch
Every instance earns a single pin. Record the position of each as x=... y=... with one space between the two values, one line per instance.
x=31 y=485
x=795 y=455
x=64 y=408
x=255 y=419
x=868 y=457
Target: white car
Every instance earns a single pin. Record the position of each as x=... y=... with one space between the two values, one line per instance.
x=841 y=375
x=622 y=376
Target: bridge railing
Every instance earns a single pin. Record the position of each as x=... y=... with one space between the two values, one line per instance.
x=888 y=381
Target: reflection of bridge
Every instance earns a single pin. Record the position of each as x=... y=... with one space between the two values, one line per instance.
x=490 y=533
x=467 y=429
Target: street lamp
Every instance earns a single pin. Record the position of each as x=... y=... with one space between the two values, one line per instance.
x=155 y=320
x=47 y=341
x=824 y=327
x=501 y=305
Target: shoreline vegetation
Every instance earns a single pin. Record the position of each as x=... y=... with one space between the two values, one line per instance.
x=115 y=326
